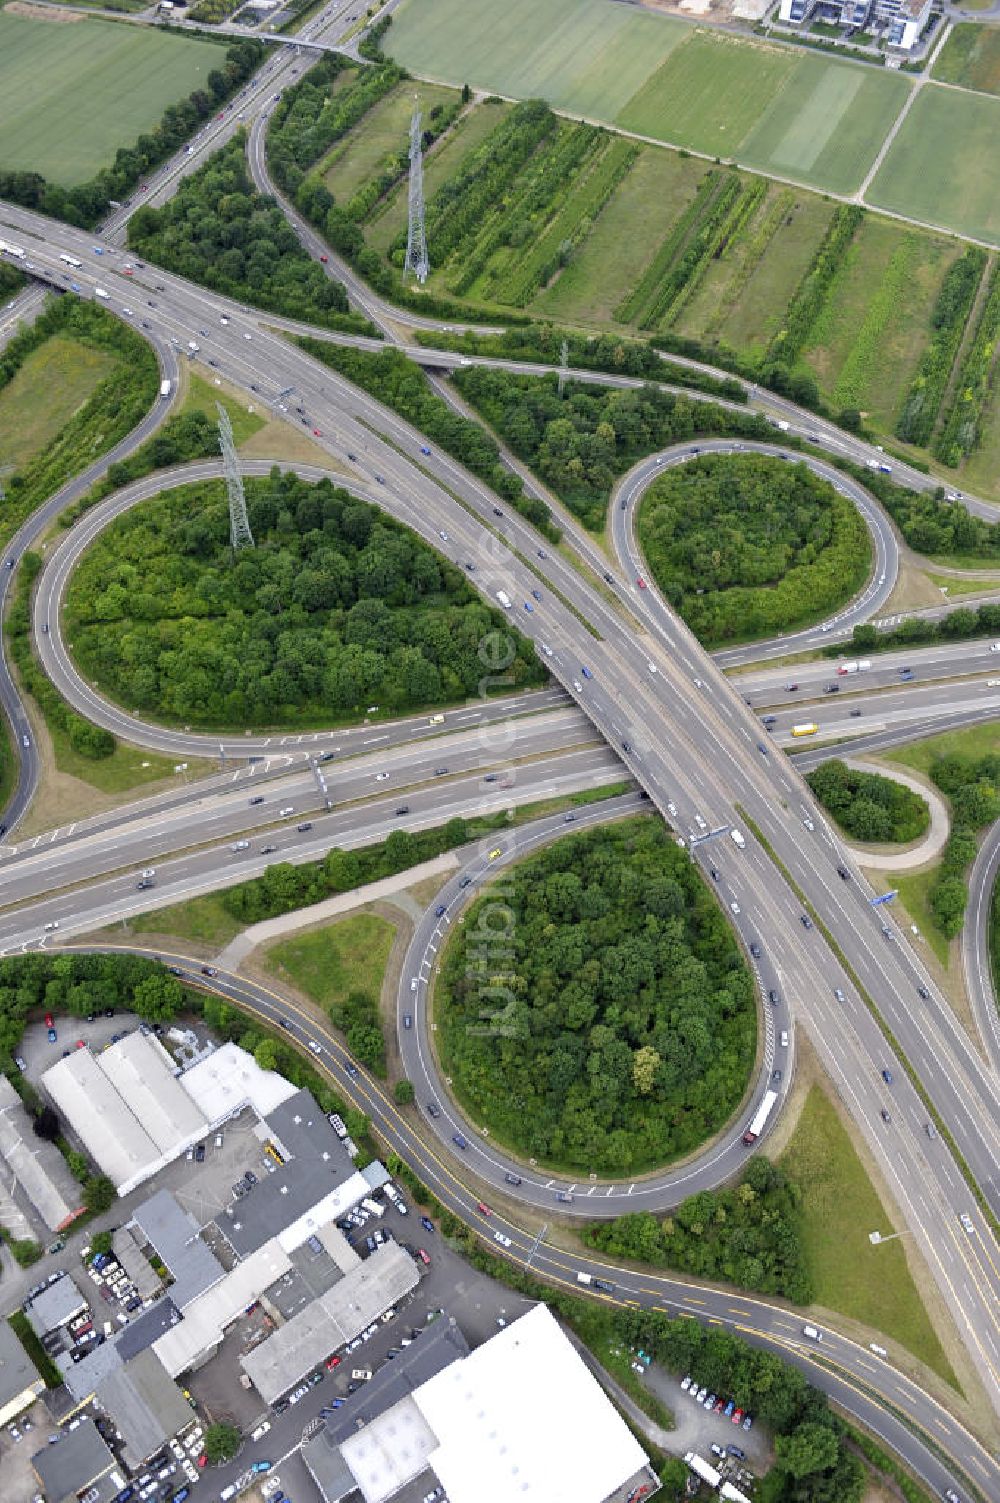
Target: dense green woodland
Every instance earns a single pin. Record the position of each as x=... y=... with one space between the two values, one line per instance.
x=88 y=202
x=747 y=1235
x=595 y=1013
x=219 y=231
x=972 y=784
x=744 y=545
x=580 y=442
x=337 y=607
x=868 y=806
x=958 y=625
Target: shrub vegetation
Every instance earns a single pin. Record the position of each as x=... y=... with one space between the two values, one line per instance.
x=609 y=1025
x=747 y=1235
x=868 y=806
x=337 y=607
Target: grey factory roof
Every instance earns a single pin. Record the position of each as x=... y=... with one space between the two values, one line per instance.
x=17 y=1371
x=327 y=1323
x=82 y=1378
x=55 y=1305
x=39 y=1166
x=176 y=1237
x=73 y=1463
x=385 y=1439
x=146 y=1405
x=146 y=1328
x=316 y=1165
x=138 y=1267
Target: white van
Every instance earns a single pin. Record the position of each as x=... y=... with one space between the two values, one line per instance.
x=739 y=838
x=584 y=1278
x=504 y=599
x=812 y=1333
x=102 y=294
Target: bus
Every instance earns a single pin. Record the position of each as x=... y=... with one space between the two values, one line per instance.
x=760 y=1117
x=808 y=729
x=7 y=248
x=70 y=260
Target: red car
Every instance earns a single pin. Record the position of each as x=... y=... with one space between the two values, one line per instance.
x=641 y=582
x=80 y=1044
x=324 y=259
x=203 y=1459
x=48 y=1020
x=737 y=1416
x=316 y=433
x=484 y=1210
x=332 y=1362
x=423 y=1255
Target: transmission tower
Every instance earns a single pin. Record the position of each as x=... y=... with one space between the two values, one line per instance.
x=563 y=364
x=240 y=535
x=416 y=234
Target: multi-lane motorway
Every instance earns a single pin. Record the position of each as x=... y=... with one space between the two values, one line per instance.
x=659 y=702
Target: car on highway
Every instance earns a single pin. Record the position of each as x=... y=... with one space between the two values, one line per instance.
x=459 y=1141
x=512 y=1179
x=887 y=1076
x=209 y=970
x=885 y=1115
x=839 y=994
x=315 y=1047
x=496 y=853
x=407 y=1020
x=966 y=1221
x=52 y=1035
x=640 y=582
x=805 y=921
x=923 y=992
x=483 y=1209
x=503 y=1240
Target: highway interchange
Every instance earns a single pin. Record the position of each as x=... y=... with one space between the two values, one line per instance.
x=692 y=743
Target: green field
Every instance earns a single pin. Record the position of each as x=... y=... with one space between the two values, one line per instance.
x=944 y=166
x=349 y=955
x=796 y=114
x=52 y=383
x=587 y=56
x=74 y=91
x=386 y=129
x=868 y=341
x=442 y=162
x=624 y=238
x=971 y=57
x=840 y=1206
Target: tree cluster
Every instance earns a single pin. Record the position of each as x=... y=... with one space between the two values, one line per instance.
x=598 y=1014
x=747 y=1235
x=284 y=886
x=336 y=608
x=929 y=523
x=958 y=625
x=868 y=806
x=219 y=231
x=580 y=441
x=972 y=784
x=357 y=1017
x=395 y=380
x=744 y=545
x=85 y=203
x=543 y=343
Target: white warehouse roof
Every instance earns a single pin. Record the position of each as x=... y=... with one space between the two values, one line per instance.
x=509 y=1419
x=230 y=1079
x=126 y=1106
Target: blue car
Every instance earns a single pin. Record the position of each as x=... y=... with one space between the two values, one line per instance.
x=528 y=606
x=424 y=449
x=586 y=673
x=427 y=1223
x=98 y=251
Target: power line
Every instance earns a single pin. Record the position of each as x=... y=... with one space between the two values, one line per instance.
x=416 y=234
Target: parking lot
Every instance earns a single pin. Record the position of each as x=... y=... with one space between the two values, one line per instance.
x=698 y=1429
x=18 y=1442
x=38 y=1054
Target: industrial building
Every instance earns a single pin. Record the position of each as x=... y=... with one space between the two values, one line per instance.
x=55 y=1305
x=330 y=1322
x=495 y=1425
x=127 y=1107
x=20 y=1383
x=80 y=1460
x=902 y=21
x=36 y=1165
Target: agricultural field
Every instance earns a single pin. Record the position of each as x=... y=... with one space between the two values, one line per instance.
x=587 y=56
x=746 y=291
x=866 y=345
x=943 y=167
x=358 y=156
x=801 y=115
x=54 y=382
x=442 y=162
x=971 y=57
x=74 y=90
